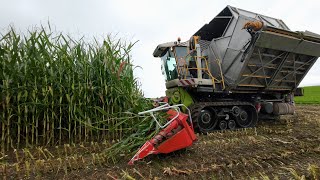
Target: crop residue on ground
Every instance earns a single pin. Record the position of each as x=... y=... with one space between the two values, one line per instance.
x=289 y=148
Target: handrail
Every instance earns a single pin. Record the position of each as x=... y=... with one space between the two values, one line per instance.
x=165 y=107
x=184 y=69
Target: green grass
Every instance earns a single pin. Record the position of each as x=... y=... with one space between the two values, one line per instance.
x=311 y=96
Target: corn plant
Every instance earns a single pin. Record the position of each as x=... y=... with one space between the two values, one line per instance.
x=55 y=90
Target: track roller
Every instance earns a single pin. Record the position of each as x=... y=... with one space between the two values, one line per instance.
x=231 y=124
x=223 y=125
x=235 y=110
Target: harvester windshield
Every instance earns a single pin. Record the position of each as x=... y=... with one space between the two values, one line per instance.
x=169 y=66
x=171 y=59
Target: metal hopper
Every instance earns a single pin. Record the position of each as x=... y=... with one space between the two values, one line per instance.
x=273 y=58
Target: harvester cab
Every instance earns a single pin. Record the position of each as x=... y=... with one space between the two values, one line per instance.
x=182 y=64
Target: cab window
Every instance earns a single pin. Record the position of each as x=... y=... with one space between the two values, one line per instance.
x=169 y=66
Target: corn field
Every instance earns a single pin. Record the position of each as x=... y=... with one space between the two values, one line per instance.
x=55 y=90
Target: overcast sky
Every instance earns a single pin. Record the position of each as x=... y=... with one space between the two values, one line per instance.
x=151 y=22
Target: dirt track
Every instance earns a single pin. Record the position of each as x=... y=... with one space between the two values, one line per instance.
x=276 y=149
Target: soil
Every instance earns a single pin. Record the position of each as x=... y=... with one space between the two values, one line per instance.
x=278 y=149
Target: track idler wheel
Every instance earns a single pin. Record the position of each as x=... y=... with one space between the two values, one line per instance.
x=207 y=120
x=247 y=117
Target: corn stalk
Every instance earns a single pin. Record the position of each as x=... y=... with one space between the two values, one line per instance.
x=56 y=90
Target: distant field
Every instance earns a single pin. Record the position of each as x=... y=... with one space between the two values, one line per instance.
x=311 y=96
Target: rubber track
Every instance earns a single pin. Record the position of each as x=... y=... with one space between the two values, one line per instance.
x=197 y=107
